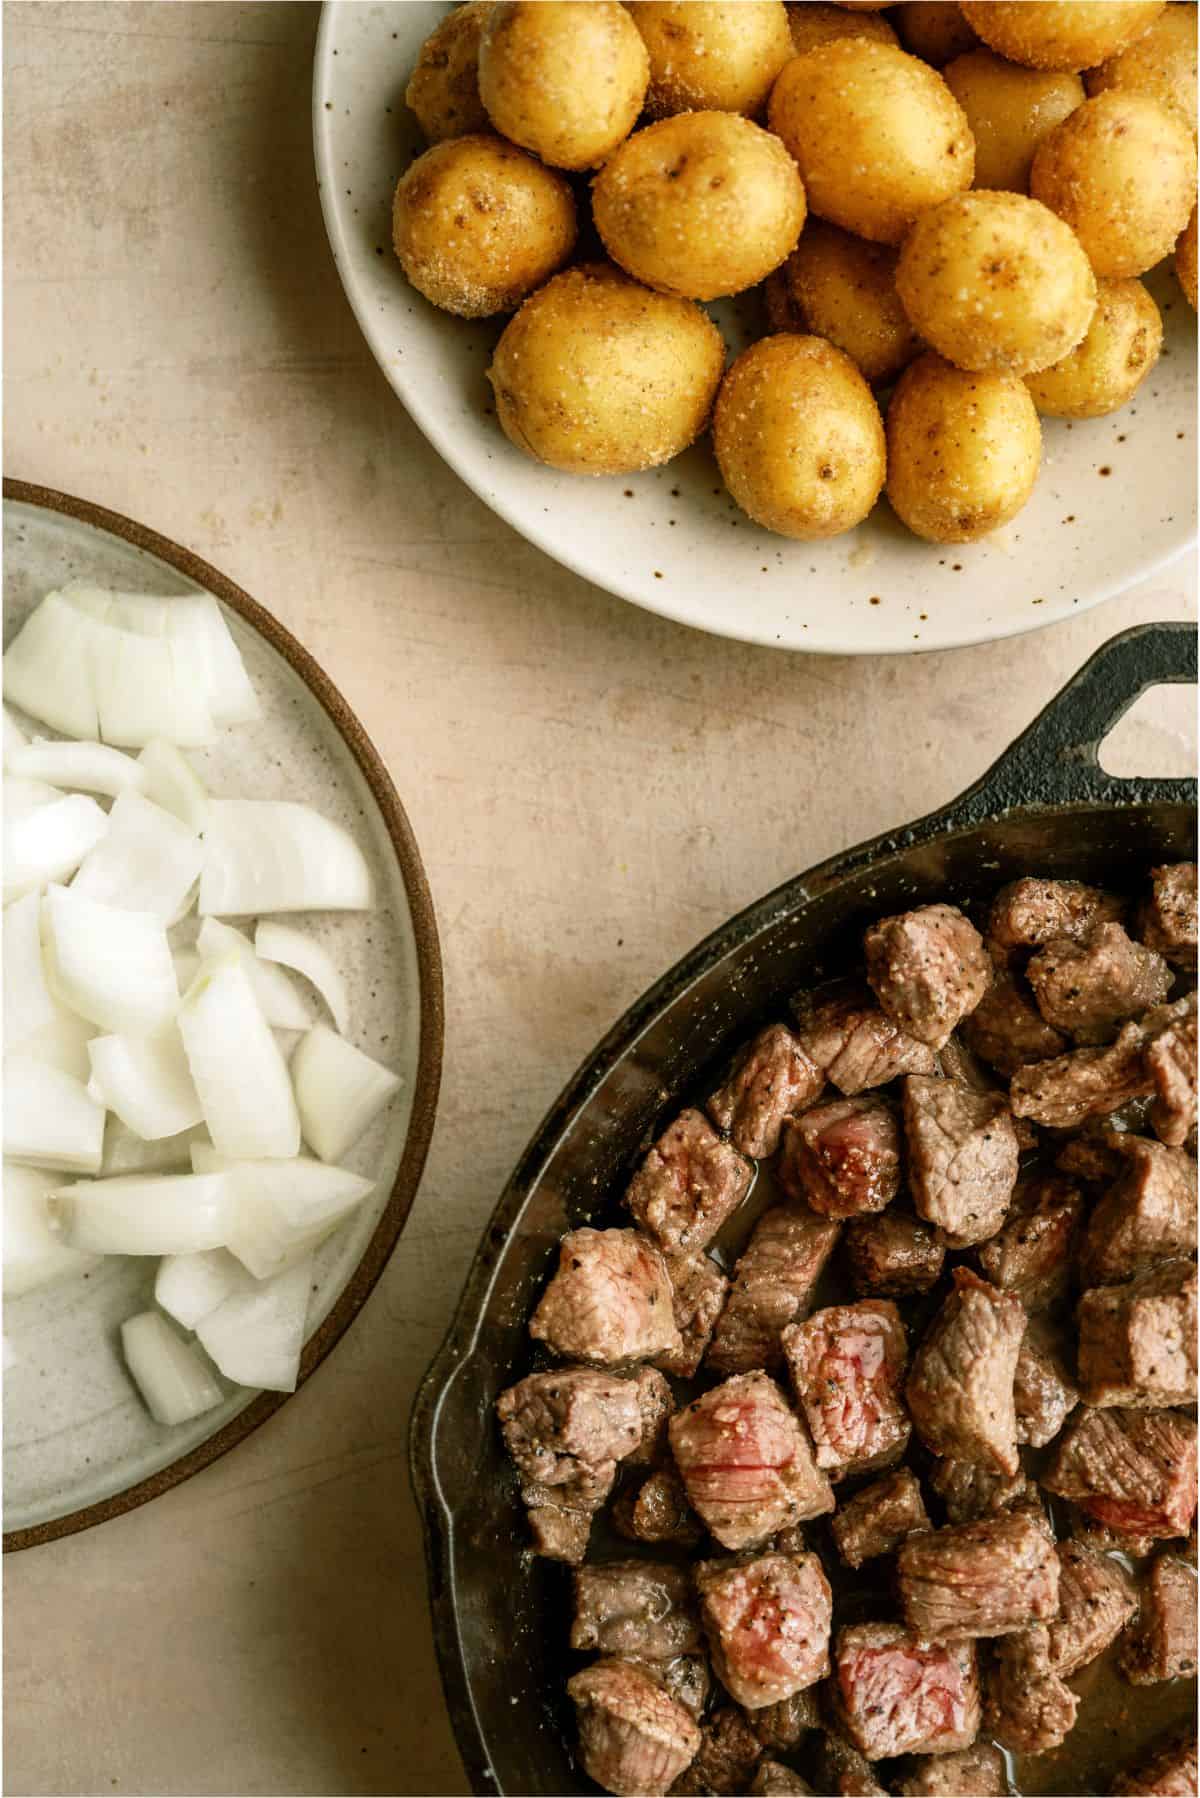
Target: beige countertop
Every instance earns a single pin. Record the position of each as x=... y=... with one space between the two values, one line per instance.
x=593 y=789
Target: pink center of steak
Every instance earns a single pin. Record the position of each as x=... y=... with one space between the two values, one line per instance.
x=852 y=1389
x=911 y=1694
x=736 y=1445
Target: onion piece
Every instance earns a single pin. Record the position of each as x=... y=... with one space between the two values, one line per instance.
x=22 y=796
x=146 y=689
x=172 y=782
x=145 y=1214
x=29 y=1005
x=148 y=861
x=63 y=1044
x=295 y=949
x=49 y=842
x=84 y=767
x=197 y=626
x=147 y=1082
x=14 y=736
x=188 y=1287
x=338 y=1091
x=48 y=667
x=175 y=1380
x=240 y=1075
x=110 y=965
x=125 y=1153
x=187 y=966
x=256 y=1337
x=284 y=1208
x=33 y=1254
x=282 y=1005
x=49 y=1119
x=265 y=855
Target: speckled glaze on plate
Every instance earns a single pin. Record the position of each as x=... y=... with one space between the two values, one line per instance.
x=1115 y=501
x=79 y=1445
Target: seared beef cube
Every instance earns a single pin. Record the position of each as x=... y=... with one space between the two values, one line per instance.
x=1171 y=1065
x=1042 y=1392
x=746 y=1462
x=1027 y=913
x=956 y=1062
x=634 y=1738
x=1032 y=1253
x=892 y=1255
x=699 y=1289
x=1096 y=1600
x=1030 y=1708
x=767 y=1622
x=857 y=1045
x=1065 y=1092
x=896 y=1694
x=776 y=1781
x=846 y=1772
x=1167 y=921
x=610 y=1300
x=564 y=1424
x=642 y=1609
x=1169 y=1771
x=842 y=1157
x=1087 y=989
x=977 y=1772
x=657 y=1511
x=729 y=1753
x=689 y=1183
x=790 y=1541
x=847 y=1365
x=772 y=1079
x=960 y=1390
x=1132 y=1470
x=1162 y=1644
x=877 y=1519
x=929 y=970
x=962 y=1158
x=781 y=1726
x=979 y=1579
x=688 y=1679
x=1007 y=1030
x=559 y=1534
x=773 y=1283
x=1103 y=1539
x=1137 y=1343
x=970 y=1491
x=1148 y=1216
x=657 y=1402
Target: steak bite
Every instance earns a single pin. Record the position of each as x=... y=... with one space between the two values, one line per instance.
x=977 y=1772
x=1167 y=921
x=1137 y=1343
x=895 y=1694
x=1134 y=1471
x=892 y=1255
x=1148 y=1215
x=877 y=1519
x=1032 y=1253
x=979 y=1579
x=1027 y=913
x=699 y=1290
x=771 y=1079
x=1065 y=1092
x=1169 y=1771
x=657 y=1511
x=1007 y=1030
x=1162 y=1643
x=729 y=1753
x=767 y=1622
x=846 y=1034
x=929 y=970
x=609 y=1301
x=960 y=1390
x=776 y=1781
x=969 y=1491
x=642 y=1609
x=1043 y=1394
x=962 y=1158
x=1096 y=1600
x=634 y=1738
x=842 y=1157
x=688 y=1679
x=746 y=1462
x=689 y=1183
x=773 y=1284
x=1171 y=1065
x=563 y=1425
x=657 y=1403
x=1088 y=988
x=782 y=1726
x=847 y=1365
x=844 y=1771
x=1030 y=1708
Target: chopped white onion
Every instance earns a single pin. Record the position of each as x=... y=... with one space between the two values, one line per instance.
x=14 y=736
x=175 y=1380
x=284 y=1208
x=110 y=965
x=172 y=782
x=49 y=1119
x=22 y=796
x=49 y=842
x=145 y=689
x=145 y=1214
x=33 y=1254
x=147 y=1082
x=85 y=767
x=240 y=1075
x=187 y=966
x=188 y=1287
x=296 y=949
x=267 y=855
x=48 y=667
x=338 y=1091
x=29 y=1005
x=148 y=861
x=197 y=625
x=256 y=1337
x=282 y=1005
x=63 y=1044
x=125 y=1153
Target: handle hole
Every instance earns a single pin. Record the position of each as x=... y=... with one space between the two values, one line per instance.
x=1156 y=739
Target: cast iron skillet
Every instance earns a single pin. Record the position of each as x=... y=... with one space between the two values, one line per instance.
x=1045 y=807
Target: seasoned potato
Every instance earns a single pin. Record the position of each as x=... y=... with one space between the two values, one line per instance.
x=597 y=375
x=1106 y=369
x=878 y=136
x=781 y=310
x=1060 y=34
x=996 y=281
x=564 y=78
x=1161 y=64
x=798 y=437
x=478 y=224
x=709 y=56
x=963 y=450
x=813 y=23
x=1122 y=172
x=703 y=204
x=443 y=89
x=844 y=288
x=934 y=30
x=1010 y=110
x=1185 y=260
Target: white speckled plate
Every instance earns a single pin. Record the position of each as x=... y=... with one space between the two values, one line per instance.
x=1116 y=499
x=79 y=1445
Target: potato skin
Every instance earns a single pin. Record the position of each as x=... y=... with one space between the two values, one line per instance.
x=478 y=224
x=1105 y=370
x=700 y=205
x=711 y=55
x=934 y=30
x=963 y=450
x=843 y=288
x=1060 y=34
x=1122 y=172
x=798 y=437
x=597 y=375
x=812 y=23
x=563 y=78
x=1161 y=64
x=1010 y=110
x=996 y=281
x=877 y=135
x=443 y=89
x=1185 y=261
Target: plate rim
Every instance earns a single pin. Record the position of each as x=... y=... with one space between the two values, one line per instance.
x=431 y=999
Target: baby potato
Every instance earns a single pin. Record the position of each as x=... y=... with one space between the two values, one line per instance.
x=877 y=135
x=963 y=450
x=1161 y=64
x=798 y=437
x=812 y=23
x=934 y=30
x=703 y=204
x=478 y=224
x=996 y=281
x=597 y=375
x=1010 y=110
x=1106 y=369
x=563 y=78
x=782 y=312
x=443 y=89
x=711 y=57
x=1122 y=172
x=1185 y=261
x=844 y=289
x=1060 y=34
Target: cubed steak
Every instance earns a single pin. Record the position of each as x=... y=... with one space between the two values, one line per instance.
x=1131 y=1470
x=969 y=1491
x=1007 y=1030
x=657 y=1510
x=960 y=1390
x=1167 y=921
x=1170 y=1770
x=847 y=1034
x=847 y=1365
x=977 y=1772
x=1171 y=1065
x=845 y=1772
x=895 y=1694
x=928 y=969
x=771 y=1079
x=979 y=1579
x=1043 y=1392
x=746 y=1462
x=657 y=1403
x=699 y=1290
x=642 y=1609
x=1147 y=1215
x=774 y=1780
x=610 y=1300
x=1137 y=1342
x=781 y=1727
x=1029 y=912
x=634 y=1738
x=569 y=1421
x=892 y=1255
x=962 y=1158
x=1032 y=1253
x=773 y=1284
x=767 y=1621
x=1087 y=989
x=843 y=1157
x=879 y=1517
x=1162 y=1643
x=729 y=1754
x=1030 y=1707
x=688 y=1679
x=688 y=1184
x=1065 y=1092
x=1096 y=1599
